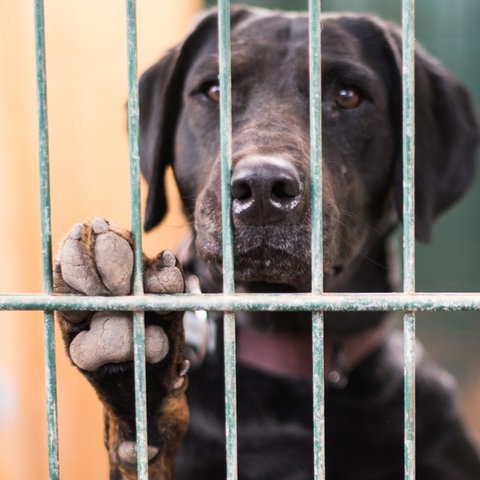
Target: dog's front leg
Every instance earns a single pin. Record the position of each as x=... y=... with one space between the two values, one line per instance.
x=96 y=258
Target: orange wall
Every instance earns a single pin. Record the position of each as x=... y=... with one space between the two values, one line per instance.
x=86 y=72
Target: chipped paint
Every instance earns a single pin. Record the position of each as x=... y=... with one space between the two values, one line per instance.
x=292 y=302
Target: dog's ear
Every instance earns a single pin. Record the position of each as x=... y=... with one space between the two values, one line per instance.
x=446 y=138
x=156 y=132
x=160 y=90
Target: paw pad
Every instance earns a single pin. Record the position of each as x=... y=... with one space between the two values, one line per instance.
x=96 y=260
x=110 y=340
x=127 y=452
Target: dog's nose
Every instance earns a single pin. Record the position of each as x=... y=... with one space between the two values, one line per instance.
x=264 y=189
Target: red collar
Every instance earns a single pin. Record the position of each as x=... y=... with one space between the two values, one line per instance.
x=286 y=355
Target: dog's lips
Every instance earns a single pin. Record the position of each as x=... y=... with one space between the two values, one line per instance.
x=287 y=271
x=271 y=267
x=265 y=287
x=267 y=254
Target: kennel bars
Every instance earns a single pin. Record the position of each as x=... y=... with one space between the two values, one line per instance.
x=407 y=301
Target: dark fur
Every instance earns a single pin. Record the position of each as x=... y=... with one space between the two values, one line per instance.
x=362 y=201
x=362 y=192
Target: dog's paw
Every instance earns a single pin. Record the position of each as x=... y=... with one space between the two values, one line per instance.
x=96 y=258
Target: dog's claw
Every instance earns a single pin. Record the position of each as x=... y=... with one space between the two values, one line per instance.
x=168 y=258
x=183 y=367
x=99 y=225
x=76 y=231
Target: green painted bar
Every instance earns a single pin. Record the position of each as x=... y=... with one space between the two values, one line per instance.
x=316 y=144
x=134 y=146
x=408 y=48
x=51 y=396
x=225 y=80
x=315 y=105
x=318 y=379
x=409 y=394
x=45 y=217
x=138 y=317
x=408 y=19
x=230 y=395
x=294 y=302
x=227 y=236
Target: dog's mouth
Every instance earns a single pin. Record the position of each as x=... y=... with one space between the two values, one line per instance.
x=265 y=287
x=271 y=270
x=247 y=285
x=270 y=256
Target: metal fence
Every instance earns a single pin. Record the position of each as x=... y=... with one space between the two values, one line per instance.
x=407 y=301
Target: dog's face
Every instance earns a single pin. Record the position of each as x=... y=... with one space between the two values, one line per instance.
x=270 y=95
x=270 y=178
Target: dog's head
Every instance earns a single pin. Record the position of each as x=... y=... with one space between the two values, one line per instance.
x=270 y=180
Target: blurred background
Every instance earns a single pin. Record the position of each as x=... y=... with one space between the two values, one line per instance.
x=87 y=90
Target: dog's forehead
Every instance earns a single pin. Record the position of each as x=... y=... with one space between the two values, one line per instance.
x=271 y=26
x=263 y=35
x=282 y=33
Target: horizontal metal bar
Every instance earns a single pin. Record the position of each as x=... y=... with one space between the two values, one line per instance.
x=382 y=302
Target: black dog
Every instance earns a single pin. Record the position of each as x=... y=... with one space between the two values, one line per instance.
x=362 y=191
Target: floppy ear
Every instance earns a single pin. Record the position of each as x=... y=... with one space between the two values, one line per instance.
x=446 y=137
x=160 y=92
x=156 y=133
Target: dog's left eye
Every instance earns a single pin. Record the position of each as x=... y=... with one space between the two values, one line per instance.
x=348 y=98
x=212 y=92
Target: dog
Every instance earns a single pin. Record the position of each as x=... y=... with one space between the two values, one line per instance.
x=270 y=211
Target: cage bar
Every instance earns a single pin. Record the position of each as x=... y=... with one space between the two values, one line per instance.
x=138 y=316
x=46 y=239
x=408 y=122
x=290 y=302
x=225 y=80
x=315 y=105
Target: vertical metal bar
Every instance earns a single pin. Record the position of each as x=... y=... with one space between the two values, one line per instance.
x=409 y=393
x=45 y=218
x=316 y=143
x=408 y=48
x=138 y=317
x=226 y=141
x=317 y=235
x=227 y=237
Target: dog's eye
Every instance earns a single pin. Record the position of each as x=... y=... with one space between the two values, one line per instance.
x=212 y=92
x=348 y=98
